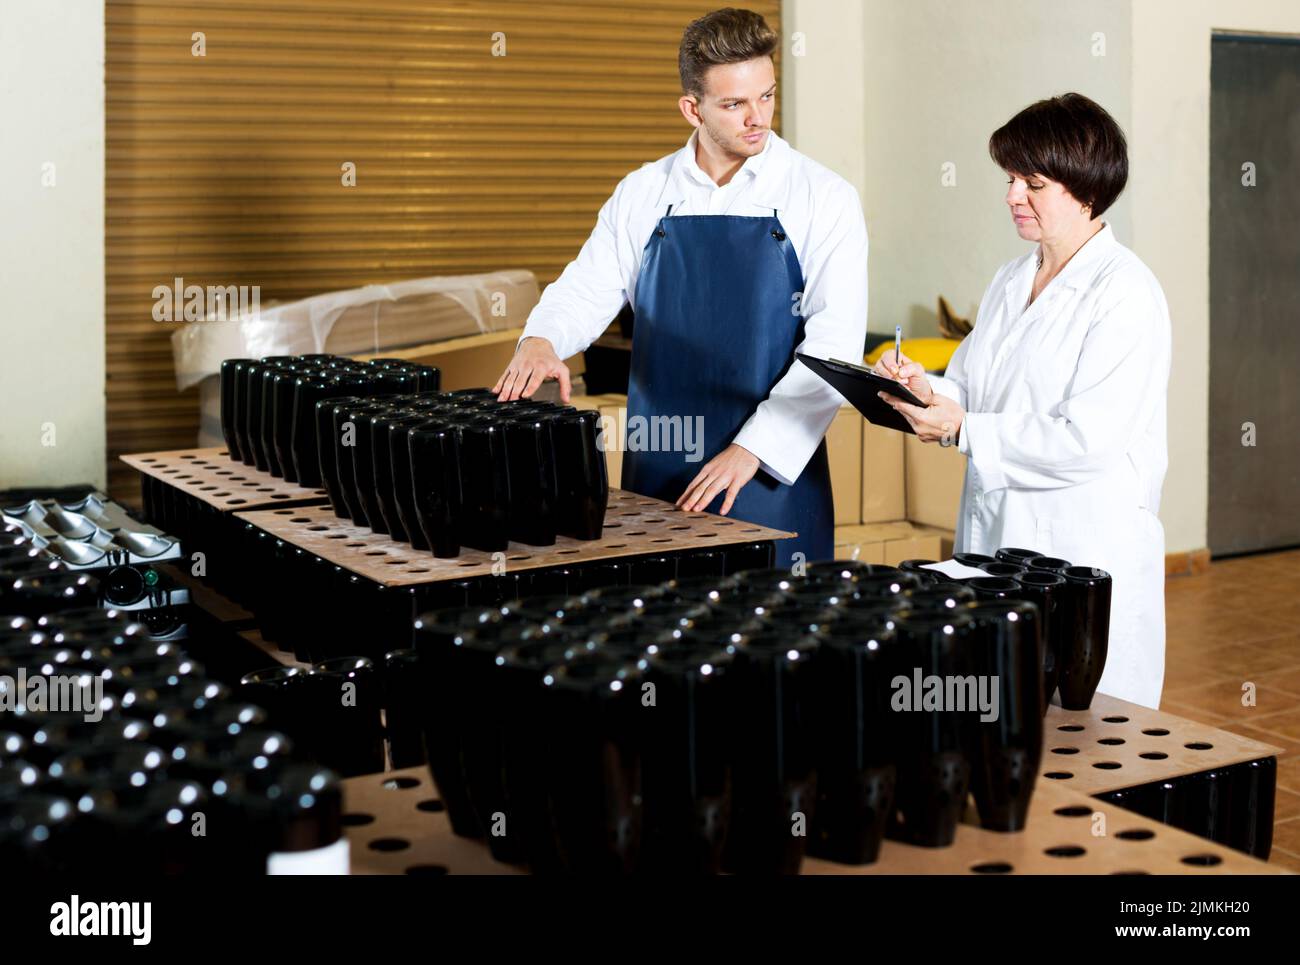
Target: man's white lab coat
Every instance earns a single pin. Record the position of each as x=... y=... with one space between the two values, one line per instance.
x=822 y=217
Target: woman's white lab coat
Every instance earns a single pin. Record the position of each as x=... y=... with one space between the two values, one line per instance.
x=1065 y=436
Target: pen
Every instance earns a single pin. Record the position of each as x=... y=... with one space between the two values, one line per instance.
x=898 y=343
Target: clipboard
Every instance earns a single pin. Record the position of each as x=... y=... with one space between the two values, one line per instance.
x=859 y=385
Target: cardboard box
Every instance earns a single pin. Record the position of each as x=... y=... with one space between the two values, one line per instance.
x=892 y=542
x=920 y=545
x=871 y=552
x=889 y=543
x=884 y=492
x=946 y=540
x=934 y=476
x=469 y=362
x=844 y=451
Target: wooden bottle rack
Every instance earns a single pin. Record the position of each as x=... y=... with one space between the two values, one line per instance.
x=634 y=525
x=212 y=477
x=395 y=825
x=1116 y=744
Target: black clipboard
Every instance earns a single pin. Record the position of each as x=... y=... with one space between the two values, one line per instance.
x=859 y=385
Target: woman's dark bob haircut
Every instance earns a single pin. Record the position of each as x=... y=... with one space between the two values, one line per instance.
x=1069 y=139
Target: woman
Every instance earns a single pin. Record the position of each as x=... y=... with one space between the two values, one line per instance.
x=1057 y=396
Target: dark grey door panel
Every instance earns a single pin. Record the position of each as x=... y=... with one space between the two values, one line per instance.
x=1254 y=490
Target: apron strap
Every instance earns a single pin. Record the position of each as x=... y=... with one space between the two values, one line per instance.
x=776 y=233
x=659 y=229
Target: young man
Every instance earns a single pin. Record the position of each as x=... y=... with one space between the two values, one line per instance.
x=734 y=252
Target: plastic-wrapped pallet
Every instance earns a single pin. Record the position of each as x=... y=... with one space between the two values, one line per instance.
x=371 y=320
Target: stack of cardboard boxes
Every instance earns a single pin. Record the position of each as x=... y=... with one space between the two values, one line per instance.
x=895 y=498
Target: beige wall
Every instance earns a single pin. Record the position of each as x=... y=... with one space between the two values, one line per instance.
x=824 y=85
x=52 y=243
x=938 y=76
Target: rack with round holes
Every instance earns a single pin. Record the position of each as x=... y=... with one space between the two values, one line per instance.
x=1116 y=744
x=1187 y=774
x=212 y=477
x=634 y=525
x=396 y=825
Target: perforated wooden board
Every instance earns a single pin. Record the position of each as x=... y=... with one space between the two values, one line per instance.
x=401 y=836
x=1081 y=744
x=210 y=475
x=1061 y=837
x=633 y=525
x=396 y=826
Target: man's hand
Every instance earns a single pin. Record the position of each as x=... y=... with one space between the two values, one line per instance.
x=535 y=361
x=910 y=373
x=939 y=422
x=730 y=469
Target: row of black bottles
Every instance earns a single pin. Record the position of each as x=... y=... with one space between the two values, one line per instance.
x=729 y=723
x=268 y=405
x=319 y=610
x=349 y=736
x=1232 y=805
x=438 y=470
x=1075 y=604
x=34 y=581
x=442 y=470
x=156 y=767
x=334 y=711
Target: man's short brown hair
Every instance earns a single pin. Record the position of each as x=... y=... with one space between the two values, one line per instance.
x=726 y=36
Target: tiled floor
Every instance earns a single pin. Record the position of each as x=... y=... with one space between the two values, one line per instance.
x=1232 y=659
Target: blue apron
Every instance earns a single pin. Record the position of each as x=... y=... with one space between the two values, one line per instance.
x=716 y=328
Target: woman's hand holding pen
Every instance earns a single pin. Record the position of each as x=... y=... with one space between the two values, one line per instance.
x=941 y=418
x=910 y=373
